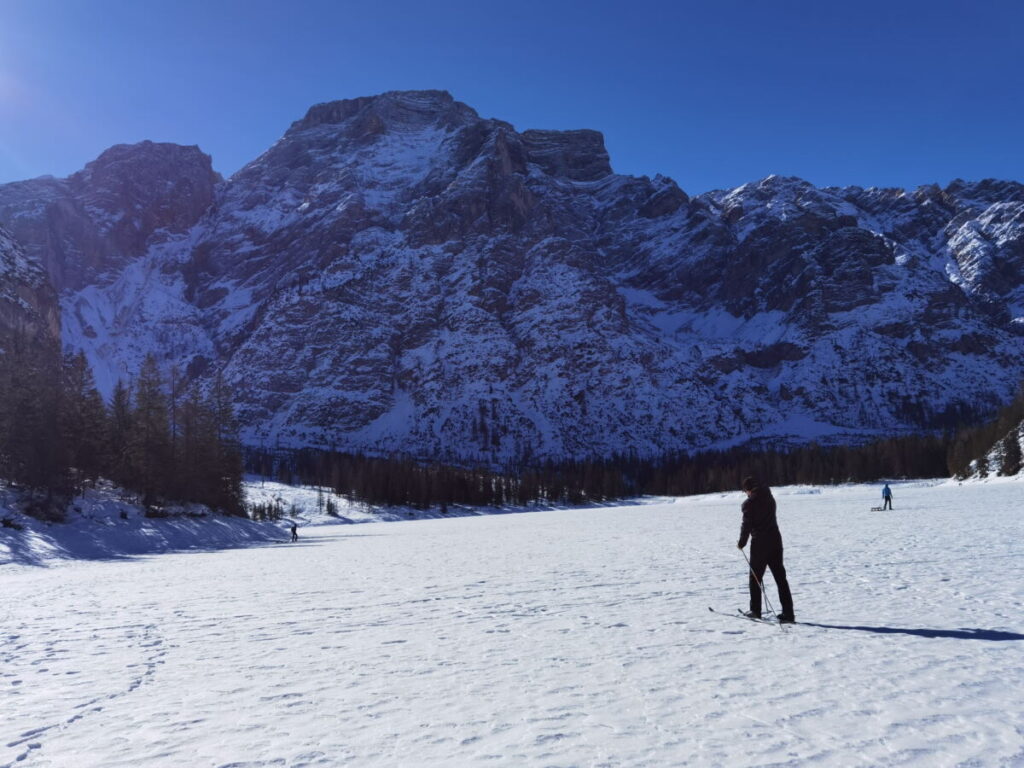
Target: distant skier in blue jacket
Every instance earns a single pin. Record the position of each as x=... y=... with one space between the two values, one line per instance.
x=886 y=497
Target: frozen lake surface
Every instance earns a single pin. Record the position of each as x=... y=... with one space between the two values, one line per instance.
x=556 y=638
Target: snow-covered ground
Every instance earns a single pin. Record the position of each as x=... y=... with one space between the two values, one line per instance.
x=557 y=638
x=107 y=522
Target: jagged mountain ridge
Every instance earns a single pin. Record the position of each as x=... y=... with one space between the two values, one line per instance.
x=397 y=273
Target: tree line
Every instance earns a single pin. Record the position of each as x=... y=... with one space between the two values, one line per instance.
x=971 y=444
x=403 y=481
x=157 y=437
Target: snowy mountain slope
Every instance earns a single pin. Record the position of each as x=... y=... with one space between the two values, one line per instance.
x=141 y=309
x=397 y=273
x=576 y=637
x=1003 y=458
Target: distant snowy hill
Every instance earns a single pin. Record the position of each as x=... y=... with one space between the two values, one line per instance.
x=397 y=273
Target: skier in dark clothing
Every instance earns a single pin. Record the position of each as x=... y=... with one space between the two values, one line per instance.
x=886 y=497
x=760 y=526
x=295 y=532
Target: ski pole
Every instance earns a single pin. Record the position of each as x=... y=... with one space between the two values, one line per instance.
x=760 y=583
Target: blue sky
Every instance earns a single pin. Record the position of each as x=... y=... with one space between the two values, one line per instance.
x=712 y=94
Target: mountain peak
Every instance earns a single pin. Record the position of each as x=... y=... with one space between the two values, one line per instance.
x=986 y=191
x=579 y=155
x=126 y=157
x=388 y=110
x=173 y=184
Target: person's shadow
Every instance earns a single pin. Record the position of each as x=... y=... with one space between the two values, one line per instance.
x=964 y=633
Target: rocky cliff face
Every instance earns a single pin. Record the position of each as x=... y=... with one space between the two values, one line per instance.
x=399 y=274
x=87 y=228
x=28 y=304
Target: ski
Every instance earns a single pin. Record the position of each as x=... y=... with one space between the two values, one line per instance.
x=739 y=615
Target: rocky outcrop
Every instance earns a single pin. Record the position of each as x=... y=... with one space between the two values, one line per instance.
x=399 y=274
x=28 y=305
x=91 y=225
x=575 y=155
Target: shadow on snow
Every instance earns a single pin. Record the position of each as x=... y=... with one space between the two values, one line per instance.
x=964 y=633
x=42 y=545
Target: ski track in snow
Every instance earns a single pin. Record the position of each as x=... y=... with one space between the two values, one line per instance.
x=559 y=638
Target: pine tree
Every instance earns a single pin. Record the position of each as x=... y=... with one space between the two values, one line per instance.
x=31 y=448
x=83 y=420
x=7 y=412
x=227 y=492
x=1011 y=459
x=192 y=462
x=119 y=432
x=175 y=387
x=149 y=437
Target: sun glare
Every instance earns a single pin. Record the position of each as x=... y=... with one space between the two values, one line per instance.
x=9 y=91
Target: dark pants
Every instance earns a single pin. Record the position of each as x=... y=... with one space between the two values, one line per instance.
x=766 y=552
x=887 y=502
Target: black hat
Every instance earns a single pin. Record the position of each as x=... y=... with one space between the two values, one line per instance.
x=750 y=483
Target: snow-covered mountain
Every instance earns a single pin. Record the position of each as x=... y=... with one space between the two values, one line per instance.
x=397 y=273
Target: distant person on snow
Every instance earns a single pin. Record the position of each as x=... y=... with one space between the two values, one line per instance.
x=761 y=527
x=295 y=532
x=886 y=497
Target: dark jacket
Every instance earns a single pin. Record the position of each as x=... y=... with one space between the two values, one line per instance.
x=759 y=516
